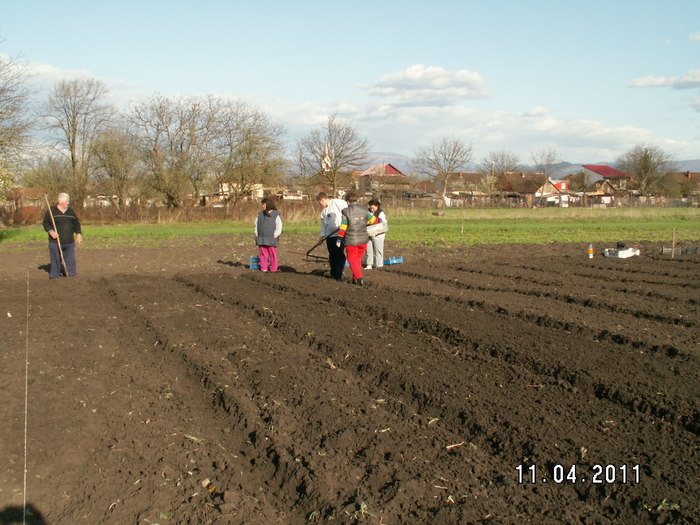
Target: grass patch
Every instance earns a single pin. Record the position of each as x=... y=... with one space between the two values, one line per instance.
x=420 y=227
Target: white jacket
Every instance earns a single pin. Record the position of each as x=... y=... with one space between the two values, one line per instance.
x=332 y=216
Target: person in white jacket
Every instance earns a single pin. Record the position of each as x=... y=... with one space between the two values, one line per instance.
x=375 y=247
x=331 y=217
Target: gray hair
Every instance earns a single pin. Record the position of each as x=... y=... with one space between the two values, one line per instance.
x=63 y=197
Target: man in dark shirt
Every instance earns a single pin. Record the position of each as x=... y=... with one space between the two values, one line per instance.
x=66 y=226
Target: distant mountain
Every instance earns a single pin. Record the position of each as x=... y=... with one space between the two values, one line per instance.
x=400 y=162
x=688 y=165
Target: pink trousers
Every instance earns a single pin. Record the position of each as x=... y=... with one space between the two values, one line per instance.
x=268 y=252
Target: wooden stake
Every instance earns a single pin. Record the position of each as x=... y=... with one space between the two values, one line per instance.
x=673 y=248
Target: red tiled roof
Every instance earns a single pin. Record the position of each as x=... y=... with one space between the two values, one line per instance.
x=382 y=169
x=606 y=171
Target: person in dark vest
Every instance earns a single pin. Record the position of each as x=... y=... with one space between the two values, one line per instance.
x=268 y=228
x=67 y=233
x=353 y=234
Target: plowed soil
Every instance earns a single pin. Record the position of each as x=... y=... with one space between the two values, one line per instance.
x=174 y=385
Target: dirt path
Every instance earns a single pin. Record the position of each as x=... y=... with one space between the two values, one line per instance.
x=174 y=385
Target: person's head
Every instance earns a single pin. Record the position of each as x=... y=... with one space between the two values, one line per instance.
x=351 y=197
x=374 y=205
x=268 y=204
x=323 y=199
x=63 y=199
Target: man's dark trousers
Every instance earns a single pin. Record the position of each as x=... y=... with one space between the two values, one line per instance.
x=68 y=256
x=336 y=256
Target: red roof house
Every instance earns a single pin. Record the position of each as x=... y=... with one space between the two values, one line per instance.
x=593 y=173
x=383 y=177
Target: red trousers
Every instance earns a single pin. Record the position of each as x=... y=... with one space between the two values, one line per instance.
x=355 y=254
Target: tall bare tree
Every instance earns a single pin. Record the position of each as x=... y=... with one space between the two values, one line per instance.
x=645 y=164
x=442 y=158
x=14 y=122
x=494 y=165
x=117 y=165
x=331 y=149
x=174 y=136
x=76 y=112
x=51 y=171
x=545 y=160
x=249 y=149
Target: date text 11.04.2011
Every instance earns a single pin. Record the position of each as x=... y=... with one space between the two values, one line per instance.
x=595 y=474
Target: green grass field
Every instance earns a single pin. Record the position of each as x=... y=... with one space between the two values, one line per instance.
x=420 y=227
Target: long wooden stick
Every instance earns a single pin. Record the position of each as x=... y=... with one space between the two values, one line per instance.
x=673 y=247
x=58 y=240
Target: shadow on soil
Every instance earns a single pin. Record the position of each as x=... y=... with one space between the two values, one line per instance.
x=13 y=515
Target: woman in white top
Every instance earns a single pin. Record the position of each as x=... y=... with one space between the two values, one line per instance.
x=375 y=246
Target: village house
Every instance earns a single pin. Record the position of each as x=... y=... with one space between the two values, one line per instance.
x=383 y=178
x=345 y=181
x=594 y=174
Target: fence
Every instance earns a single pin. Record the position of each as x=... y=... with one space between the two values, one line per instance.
x=305 y=211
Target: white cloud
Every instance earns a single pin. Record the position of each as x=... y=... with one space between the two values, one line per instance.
x=696 y=104
x=690 y=80
x=694 y=36
x=43 y=77
x=420 y=104
x=403 y=129
x=421 y=85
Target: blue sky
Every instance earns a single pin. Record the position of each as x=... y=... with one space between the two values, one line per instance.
x=589 y=78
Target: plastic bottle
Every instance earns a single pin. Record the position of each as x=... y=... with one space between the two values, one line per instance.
x=590 y=251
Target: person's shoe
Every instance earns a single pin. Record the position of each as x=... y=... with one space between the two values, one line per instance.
x=368 y=267
x=358 y=281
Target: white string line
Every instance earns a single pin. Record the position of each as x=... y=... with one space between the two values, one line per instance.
x=26 y=397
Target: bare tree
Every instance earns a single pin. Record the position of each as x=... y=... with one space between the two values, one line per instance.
x=14 y=123
x=117 y=165
x=494 y=166
x=174 y=136
x=545 y=160
x=76 y=112
x=248 y=149
x=50 y=171
x=442 y=158
x=331 y=149
x=645 y=165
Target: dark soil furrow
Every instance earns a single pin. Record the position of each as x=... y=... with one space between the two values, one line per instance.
x=549 y=291
x=310 y=462
x=548 y=278
x=682 y=275
x=576 y=272
x=556 y=371
x=424 y=401
x=559 y=324
x=174 y=385
x=670 y=341
x=496 y=442
x=248 y=424
x=634 y=400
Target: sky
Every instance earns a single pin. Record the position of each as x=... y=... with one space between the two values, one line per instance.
x=590 y=79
